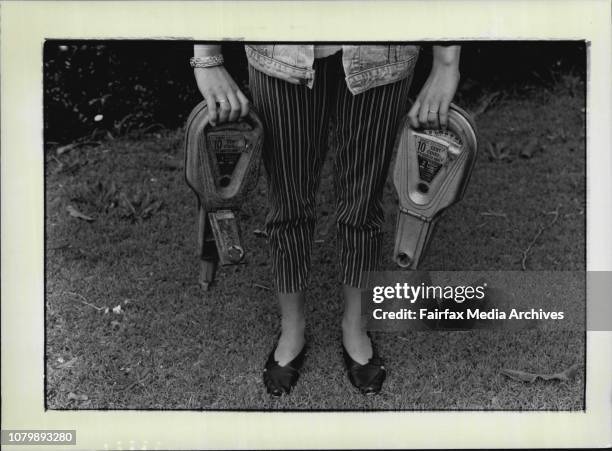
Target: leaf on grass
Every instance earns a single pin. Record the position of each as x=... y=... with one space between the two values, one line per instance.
x=75 y=397
x=500 y=214
x=152 y=208
x=524 y=376
x=127 y=204
x=532 y=146
x=63 y=149
x=260 y=233
x=140 y=205
x=68 y=364
x=518 y=375
x=117 y=309
x=499 y=151
x=173 y=163
x=263 y=287
x=77 y=214
x=485 y=103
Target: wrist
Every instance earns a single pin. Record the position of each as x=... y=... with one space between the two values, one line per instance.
x=445 y=66
x=203 y=50
x=446 y=56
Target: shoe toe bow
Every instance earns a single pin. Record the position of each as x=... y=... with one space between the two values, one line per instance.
x=369 y=377
x=279 y=379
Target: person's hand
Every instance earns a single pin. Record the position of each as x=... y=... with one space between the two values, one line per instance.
x=225 y=100
x=430 y=110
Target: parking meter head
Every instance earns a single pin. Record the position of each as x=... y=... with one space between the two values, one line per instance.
x=222 y=162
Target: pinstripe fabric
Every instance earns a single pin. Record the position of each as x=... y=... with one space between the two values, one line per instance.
x=296 y=120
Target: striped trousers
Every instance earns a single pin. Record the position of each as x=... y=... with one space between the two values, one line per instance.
x=296 y=120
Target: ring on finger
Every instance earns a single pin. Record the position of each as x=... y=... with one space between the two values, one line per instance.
x=432 y=112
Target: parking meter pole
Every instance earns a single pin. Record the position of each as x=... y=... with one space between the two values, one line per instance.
x=209 y=257
x=412 y=236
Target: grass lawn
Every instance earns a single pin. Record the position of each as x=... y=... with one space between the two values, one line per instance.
x=172 y=346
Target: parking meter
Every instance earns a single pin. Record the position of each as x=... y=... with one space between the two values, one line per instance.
x=221 y=167
x=432 y=170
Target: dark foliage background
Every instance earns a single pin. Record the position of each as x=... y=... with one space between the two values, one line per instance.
x=96 y=89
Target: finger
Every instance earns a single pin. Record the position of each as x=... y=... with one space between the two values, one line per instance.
x=433 y=121
x=224 y=109
x=234 y=106
x=423 y=113
x=212 y=109
x=432 y=118
x=443 y=115
x=413 y=114
x=244 y=103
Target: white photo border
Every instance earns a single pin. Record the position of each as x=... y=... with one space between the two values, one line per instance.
x=25 y=26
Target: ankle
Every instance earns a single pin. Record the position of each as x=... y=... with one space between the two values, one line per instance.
x=290 y=342
x=293 y=326
x=352 y=325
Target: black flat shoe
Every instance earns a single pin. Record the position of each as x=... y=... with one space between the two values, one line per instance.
x=280 y=380
x=367 y=378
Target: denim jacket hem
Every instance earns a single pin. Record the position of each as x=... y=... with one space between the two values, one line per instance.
x=379 y=76
x=279 y=69
x=365 y=66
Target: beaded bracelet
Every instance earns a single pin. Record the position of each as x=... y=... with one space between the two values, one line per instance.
x=206 y=61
